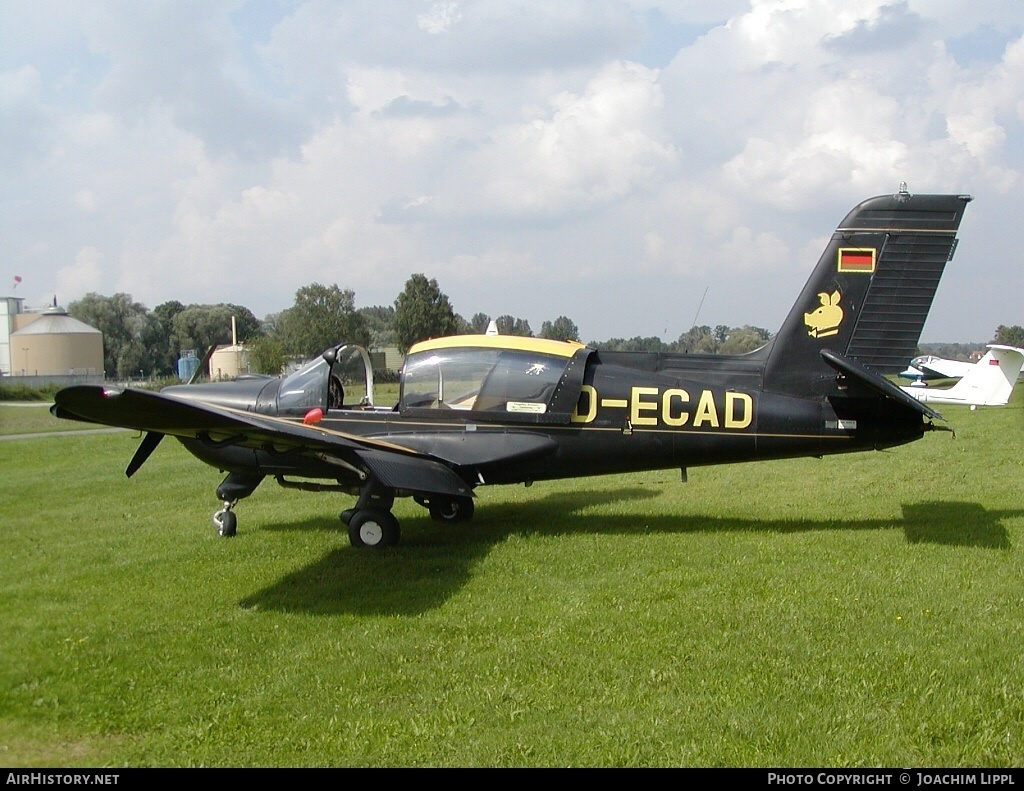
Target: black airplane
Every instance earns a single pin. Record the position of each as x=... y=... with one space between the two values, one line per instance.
x=480 y=410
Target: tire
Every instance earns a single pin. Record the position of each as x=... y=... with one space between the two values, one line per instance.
x=226 y=522
x=369 y=527
x=455 y=509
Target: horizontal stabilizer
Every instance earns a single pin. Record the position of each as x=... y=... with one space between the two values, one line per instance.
x=873 y=381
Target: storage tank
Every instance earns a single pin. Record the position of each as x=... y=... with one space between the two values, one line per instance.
x=188 y=364
x=55 y=344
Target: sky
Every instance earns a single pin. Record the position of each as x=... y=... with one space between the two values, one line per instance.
x=637 y=166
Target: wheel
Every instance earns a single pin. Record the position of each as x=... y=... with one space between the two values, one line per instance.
x=226 y=523
x=369 y=527
x=455 y=509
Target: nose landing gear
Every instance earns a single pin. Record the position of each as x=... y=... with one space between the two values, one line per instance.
x=225 y=520
x=231 y=490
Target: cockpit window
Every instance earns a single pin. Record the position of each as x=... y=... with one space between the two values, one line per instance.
x=304 y=389
x=347 y=383
x=481 y=380
x=349 y=387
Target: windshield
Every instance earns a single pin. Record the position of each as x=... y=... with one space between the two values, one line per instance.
x=304 y=389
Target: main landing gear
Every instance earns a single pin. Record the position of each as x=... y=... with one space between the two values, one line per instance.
x=371 y=527
x=448 y=509
x=370 y=522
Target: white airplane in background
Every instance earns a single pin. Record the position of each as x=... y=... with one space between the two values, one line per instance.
x=928 y=366
x=988 y=382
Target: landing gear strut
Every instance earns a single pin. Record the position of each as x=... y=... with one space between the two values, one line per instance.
x=231 y=490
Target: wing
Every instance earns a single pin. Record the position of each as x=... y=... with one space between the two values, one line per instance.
x=160 y=414
x=946 y=369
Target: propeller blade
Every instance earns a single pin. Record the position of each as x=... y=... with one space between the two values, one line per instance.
x=201 y=368
x=144 y=451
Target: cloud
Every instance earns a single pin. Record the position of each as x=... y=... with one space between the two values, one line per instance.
x=236 y=151
x=27 y=122
x=180 y=55
x=892 y=26
x=584 y=150
x=83 y=276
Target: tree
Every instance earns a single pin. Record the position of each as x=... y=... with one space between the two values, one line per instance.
x=378 y=319
x=464 y=327
x=741 y=340
x=511 y=325
x=421 y=312
x=1010 y=336
x=697 y=340
x=651 y=343
x=201 y=326
x=322 y=316
x=266 y=355
x=561 y=329
x=166 y=349
x=479 y=323
x=129 y=332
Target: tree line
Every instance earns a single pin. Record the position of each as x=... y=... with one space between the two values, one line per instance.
x=142 y=342
x=139 y=342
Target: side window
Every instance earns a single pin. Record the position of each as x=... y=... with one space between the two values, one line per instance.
x=521 y=382
x=481 y=380
x=445 y=379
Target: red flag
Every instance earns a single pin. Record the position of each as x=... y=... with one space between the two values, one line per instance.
x=17 y=279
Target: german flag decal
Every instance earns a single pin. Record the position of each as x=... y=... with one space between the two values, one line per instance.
x=857 y=259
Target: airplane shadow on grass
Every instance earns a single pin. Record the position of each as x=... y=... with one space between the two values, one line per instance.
x=434 y=560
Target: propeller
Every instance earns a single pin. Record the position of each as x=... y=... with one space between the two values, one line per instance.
x=152 y=438
x=144 y=451
x=201 y=368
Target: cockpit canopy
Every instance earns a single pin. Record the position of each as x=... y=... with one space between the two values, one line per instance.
x=497 y=377
x=500 y=378
x=340 y=378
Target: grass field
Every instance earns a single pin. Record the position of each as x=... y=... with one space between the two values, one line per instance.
x=865 y=610
x=31 y=418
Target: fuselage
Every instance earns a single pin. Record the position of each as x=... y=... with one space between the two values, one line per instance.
x=630 y=412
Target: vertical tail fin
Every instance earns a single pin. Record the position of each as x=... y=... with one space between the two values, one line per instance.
x=871 y=291
x=990 y=381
